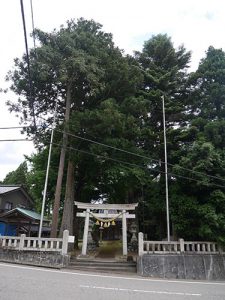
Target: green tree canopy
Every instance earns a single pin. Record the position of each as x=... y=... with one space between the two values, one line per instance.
x=19 y=176
x=108 y=98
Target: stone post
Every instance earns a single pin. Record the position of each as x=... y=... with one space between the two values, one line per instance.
x=221 y=250
x=124 y=229
x=91 y=245
x=85 y=236
x=181 y=245
x=21 y=244
x=65 y=242
x=133 y=244
x=140 y=243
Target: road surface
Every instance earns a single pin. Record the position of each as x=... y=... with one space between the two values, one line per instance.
x=29 y=283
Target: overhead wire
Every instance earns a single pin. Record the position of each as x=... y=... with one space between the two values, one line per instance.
x=134 y=154
x=139 y=155
x=127 y=152
x=28 y=63
x=16 y=140
x=139 y=166
x=135 y=165
x=14 y=127
x=154 y=170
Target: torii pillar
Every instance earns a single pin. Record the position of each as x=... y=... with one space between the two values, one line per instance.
x=85 y=235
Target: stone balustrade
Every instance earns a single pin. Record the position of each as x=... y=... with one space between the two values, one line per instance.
x=176 y=247
x=201 y=247
x=36 y=244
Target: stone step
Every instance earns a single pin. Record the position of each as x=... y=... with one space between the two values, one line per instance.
x=103 y=266
x=103 y=270
x=102 y=263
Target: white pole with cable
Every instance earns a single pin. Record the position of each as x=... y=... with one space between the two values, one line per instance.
x=166 y=174
x=32 y=18
x=46 y=176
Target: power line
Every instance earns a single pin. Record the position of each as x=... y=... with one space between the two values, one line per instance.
x=14 y=127
x=28 y=61
x=124 y=162
x=121 y=150
x=20 y=127
x=139 y=155
x=139 y=166
x=125 y=151
x=17 y=140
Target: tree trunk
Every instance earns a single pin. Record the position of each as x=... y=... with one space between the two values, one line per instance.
x=77 y=221
x=56 y=206
x=67 y=219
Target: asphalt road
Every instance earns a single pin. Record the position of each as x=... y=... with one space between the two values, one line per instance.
x=23 y=283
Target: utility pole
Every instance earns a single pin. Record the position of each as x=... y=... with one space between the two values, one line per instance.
x=46 y=176
x=166 y=173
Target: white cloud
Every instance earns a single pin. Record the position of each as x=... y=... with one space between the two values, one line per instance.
x=196 y=24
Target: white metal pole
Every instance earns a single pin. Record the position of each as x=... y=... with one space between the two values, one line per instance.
x=46 y=176
x=124 y=232
x=166 y=174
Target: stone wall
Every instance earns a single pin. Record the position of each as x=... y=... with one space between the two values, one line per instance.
x=182 y=266
x=35 y=258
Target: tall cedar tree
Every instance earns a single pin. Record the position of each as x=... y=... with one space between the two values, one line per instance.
x=165 y=73
x=198 y=204
x=77 y=64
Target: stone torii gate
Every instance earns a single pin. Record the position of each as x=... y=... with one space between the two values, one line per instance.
x=122 y=213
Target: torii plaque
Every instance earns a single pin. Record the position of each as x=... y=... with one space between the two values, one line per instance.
x=121 y=214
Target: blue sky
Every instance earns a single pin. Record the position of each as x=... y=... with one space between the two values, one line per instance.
x=196 y=24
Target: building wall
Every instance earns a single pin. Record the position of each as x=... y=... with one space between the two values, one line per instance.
x=17 y=198
x=7 y=229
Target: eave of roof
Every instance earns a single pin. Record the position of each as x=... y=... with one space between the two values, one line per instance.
x=8 y=188
x=25 y=212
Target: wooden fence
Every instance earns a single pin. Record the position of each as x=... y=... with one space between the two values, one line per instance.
x=176 y=247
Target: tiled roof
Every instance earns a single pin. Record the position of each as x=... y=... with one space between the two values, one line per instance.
x=8 y=188
x=26 y=212
x=29 y=213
